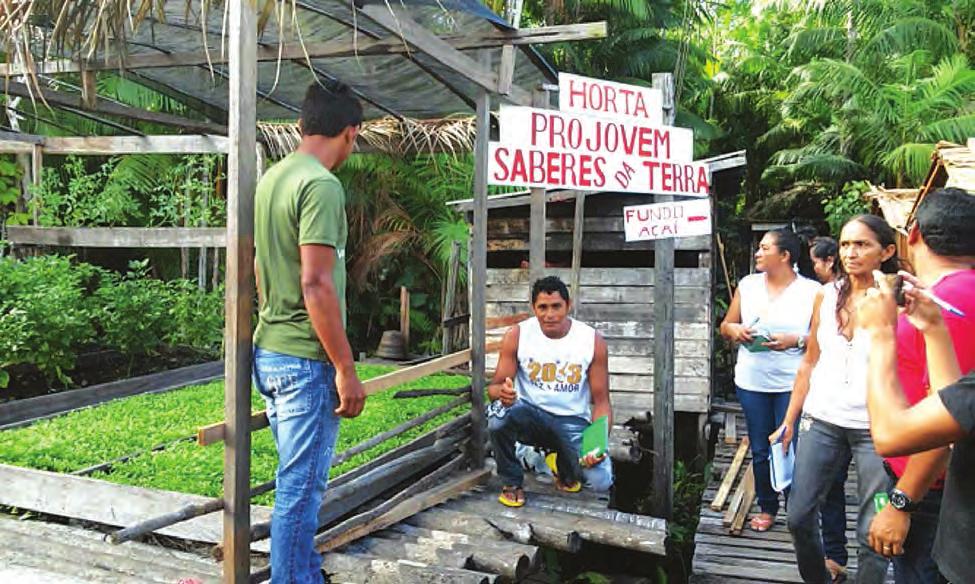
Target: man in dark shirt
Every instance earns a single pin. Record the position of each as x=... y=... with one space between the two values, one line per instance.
x=946 y=417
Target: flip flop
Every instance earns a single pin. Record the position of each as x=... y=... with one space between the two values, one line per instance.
x=552 y=461
x=761 y=522
x=512 y=496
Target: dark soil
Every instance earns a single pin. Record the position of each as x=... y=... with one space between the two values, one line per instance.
x=98 y=367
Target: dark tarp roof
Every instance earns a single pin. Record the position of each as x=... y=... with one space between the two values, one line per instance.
x=408 y=85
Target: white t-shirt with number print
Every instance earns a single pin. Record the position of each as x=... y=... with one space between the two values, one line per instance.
x=553 y=374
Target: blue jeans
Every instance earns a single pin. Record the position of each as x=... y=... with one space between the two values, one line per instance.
x=916 y=566
x=528 y=424
x=833 y=513
x=825 y=450
x=301 y=398
x=764 y=412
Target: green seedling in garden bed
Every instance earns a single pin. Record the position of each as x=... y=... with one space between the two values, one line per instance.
x=122 y=427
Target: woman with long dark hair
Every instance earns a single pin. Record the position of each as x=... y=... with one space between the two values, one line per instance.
x=830 y=394
x=824 y=254
x=769 y=319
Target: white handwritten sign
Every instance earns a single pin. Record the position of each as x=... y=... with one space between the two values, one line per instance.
x=608 y=98
x=666 y=220
x=525 y=166
x=555 y=130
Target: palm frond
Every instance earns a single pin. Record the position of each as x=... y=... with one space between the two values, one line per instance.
x=911 y=160
x=907 y=35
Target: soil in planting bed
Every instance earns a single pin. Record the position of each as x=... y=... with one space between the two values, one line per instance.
x=97 y=367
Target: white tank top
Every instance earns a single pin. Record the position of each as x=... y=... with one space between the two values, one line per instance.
x=790 y=312
x=553 y=374
x=838 y=386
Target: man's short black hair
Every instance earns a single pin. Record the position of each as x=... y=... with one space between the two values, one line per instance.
x=329 y=109
x=945 y=219
x=549 y=285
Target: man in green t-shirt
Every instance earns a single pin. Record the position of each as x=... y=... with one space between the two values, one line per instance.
x=303 y=363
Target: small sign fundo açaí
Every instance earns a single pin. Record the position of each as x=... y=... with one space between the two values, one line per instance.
x=666 y=220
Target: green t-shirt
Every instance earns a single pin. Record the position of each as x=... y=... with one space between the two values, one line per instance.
x=298 y=202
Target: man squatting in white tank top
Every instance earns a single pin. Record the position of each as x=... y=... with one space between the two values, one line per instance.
x=551 y=382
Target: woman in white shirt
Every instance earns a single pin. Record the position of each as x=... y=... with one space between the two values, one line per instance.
x=769 y=318
x=830 y=394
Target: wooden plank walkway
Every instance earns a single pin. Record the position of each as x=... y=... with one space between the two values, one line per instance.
x=751 y=556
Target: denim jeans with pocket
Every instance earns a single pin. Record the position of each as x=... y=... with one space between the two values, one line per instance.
x=915 y=565
x=301 y=398
x=824 y=451
x=531 y=425
x=764 y=412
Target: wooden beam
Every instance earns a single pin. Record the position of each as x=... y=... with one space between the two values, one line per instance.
x=117 y=237
x=106 y=503
x=397 y=20
x=730 y=475
x=23 y=411
x=663 y=344
x=241 y=184
x=447 y=310
x=478 y=262
x=405 y=509
x=110 y=145
x=578 y=227
x=71 y=100
x=319 y=50
x=404 y=317
x=536 y=235
x=214 y=433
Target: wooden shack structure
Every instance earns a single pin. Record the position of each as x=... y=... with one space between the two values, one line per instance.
x=613 y=289
x=952 y=165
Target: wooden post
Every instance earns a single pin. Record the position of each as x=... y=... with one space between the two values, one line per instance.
x=478 y=280
x=241 y=182
x=449 y=297
x=89 y=90
x=201 y=264
x=578 y=227
x=404 y=318
x=663 y=344
x=536 y=230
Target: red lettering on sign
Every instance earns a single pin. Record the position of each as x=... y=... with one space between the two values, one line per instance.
x=501 y=173
x=539 y=125
x=702 y=180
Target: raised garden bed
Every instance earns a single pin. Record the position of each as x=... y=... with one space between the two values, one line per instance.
x=137 y=424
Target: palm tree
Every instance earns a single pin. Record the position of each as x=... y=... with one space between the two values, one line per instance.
x=872 y=103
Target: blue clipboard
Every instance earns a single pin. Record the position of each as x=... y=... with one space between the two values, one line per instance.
x=782 y=464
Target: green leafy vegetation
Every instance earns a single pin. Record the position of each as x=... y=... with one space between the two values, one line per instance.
x=135 y=425
x=53 y=308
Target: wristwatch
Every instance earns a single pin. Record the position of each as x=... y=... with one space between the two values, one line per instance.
x=801 y=343
x=902 y=501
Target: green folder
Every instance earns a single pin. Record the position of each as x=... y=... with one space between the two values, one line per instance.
x=595 y=438
x=756 y=345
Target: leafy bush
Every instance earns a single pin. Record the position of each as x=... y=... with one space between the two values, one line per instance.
x=840 y=208
x=131 y=311
x=76 y=195
x=43 y=314
x=195 y=316
x=52 y=308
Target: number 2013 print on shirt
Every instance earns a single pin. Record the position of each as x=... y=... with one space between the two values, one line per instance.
x=569 y=373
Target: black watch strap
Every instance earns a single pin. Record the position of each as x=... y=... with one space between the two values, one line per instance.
x=902 y=501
